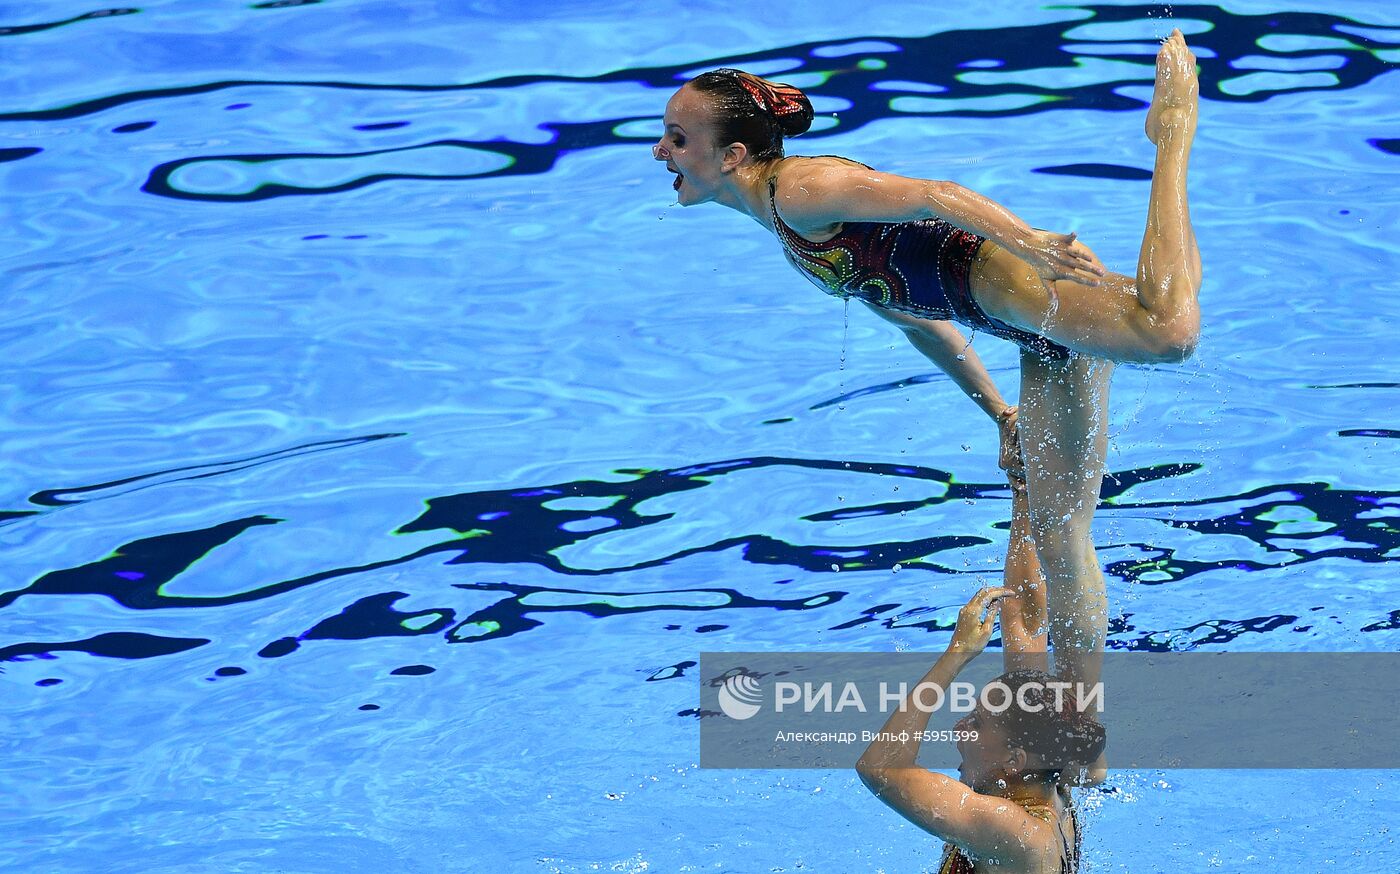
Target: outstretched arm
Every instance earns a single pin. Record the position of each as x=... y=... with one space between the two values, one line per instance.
x=985 y=825
x=819 y=194
x=942 y=343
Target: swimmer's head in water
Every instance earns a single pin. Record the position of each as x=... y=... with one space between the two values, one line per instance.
x=716 y=111
x=1038 y=736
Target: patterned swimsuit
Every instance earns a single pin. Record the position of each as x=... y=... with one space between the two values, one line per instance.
x=920 y=267
x=955 y=862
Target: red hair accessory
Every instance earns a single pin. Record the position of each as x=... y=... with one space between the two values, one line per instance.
x=774 y=98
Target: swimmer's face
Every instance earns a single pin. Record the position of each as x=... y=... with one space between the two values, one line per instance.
x=986 y=759
x=687 y=145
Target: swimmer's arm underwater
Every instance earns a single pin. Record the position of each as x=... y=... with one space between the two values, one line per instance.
x=823 y=194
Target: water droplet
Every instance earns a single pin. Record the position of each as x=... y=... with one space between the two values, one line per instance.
x=836 y=568
x=966 y=448
x=897 y=568
x=962 y=357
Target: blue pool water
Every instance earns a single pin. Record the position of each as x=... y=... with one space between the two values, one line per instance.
x=383 y=445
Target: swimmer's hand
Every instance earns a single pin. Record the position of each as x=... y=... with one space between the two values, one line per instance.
x=1009 y=453
x=974 y=630
x=1060 y=256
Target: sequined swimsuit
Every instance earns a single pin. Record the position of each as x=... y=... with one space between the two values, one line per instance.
x=921 y=267
x=955 y=862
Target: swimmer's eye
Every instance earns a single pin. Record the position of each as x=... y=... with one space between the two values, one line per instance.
x=679 y=141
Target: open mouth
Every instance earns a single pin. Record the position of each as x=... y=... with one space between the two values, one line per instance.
x=680 y=177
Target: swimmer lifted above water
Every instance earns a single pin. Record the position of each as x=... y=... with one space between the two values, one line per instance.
x=923 y=253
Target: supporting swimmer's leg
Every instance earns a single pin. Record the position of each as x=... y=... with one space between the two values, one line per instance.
x=1064 y=438
x=1064 y=441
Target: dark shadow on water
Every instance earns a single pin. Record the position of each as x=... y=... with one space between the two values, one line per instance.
x=968 y=72
x=485 y=531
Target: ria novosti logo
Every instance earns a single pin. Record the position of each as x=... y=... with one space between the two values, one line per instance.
x=740 y=696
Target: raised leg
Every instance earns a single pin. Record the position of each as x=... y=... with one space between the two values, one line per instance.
x=1169 y=265
x=1155 y=316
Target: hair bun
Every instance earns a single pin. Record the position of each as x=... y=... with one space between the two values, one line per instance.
x=797 y=122
x=785 y=104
